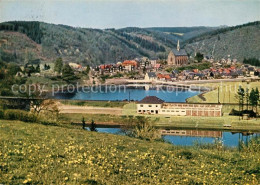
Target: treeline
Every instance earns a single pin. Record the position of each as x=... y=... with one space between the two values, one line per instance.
x=133 y=46
x=252 y=61
x=142 y=42
x=177 y=29
x=248 y=101
x=200 y=67
x=8 y=78
x=31 y=29
x=220 y=31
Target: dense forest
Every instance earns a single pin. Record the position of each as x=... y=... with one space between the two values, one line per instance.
x=33 y=42
x=220 y=31
x=32 y=29
x=142 y=42
x=252 y=61
x=8 y=78
x=236 y=42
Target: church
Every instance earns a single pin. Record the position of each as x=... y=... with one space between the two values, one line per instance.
x=177 y=57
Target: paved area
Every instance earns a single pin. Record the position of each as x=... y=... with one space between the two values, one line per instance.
x=89 y=110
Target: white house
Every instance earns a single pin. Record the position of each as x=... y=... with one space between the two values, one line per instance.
x=149 y=105
x=150 y=76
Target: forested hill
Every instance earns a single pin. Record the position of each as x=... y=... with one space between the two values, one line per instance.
x=239 y=42
x=33 y=42
x=23 y=42
x=184 y=33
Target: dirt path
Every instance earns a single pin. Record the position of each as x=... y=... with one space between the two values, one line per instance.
x=89 y=110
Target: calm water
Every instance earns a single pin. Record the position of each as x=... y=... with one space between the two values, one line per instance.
x=227 y=138
x=114 y=93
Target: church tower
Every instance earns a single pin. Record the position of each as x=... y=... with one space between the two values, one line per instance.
x=177 y=57
x=178 y=46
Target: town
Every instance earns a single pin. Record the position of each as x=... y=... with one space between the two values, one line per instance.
x=177 y=67
x=129 y=92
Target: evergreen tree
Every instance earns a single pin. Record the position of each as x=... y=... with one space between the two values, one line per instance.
x=83 y=123
x=199 y=57
x=87 y=69
x=93 y=127
x=247 y=98
x=257 y=99
x=58 y=65
x=68 y=73
x=252 y=98
x=37 y=69
x=240 y=97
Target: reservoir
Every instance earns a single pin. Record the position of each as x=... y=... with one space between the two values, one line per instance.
x=193 y=137
x=133 y=93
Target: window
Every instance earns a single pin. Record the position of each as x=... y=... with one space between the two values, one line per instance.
x=139 y=111
x=163 y=110
x=150 y=105
x=156 y=105
x=152 y=111
x=141 y=105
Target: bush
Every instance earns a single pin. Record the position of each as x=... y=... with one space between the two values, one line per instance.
x=13 y=114
x=186 y=154
x=234 y=112
x=140 y=127
x=1 y=114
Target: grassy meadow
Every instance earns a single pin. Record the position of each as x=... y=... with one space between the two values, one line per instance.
x=94 y=103
x=171 y=121
x=38 y=154
x=227 y=92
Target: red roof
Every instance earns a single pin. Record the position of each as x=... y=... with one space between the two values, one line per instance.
x=129 y=62
x=166 y=76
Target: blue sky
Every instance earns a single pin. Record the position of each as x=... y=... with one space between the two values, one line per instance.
x=139 y=13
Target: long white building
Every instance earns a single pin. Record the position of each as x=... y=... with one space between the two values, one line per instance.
x=154 y=105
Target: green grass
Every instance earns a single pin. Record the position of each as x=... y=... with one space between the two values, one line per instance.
x=47 y=82
x=172 y=121
x=37 y=154
x=94 y=103
x=98 y=118
x=227 y=91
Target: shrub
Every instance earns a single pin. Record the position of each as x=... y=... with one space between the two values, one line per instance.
x=252 y=147
x=1 y=114
x=234 y=112
x=13 y=114
x=186 y=154
x=140 y=127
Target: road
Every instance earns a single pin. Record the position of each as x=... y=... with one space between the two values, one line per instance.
x=89 y=110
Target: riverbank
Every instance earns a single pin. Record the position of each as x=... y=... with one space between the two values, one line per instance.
x=231 y=123
x=77 y=156
x=118 y=116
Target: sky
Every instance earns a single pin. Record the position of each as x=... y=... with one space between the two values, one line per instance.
x=135 y=13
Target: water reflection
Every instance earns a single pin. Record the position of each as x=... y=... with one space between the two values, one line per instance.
x=118 y=93
x=190 y=137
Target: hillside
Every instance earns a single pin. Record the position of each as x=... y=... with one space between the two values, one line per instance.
x=183 y=33
x=239 y=42
x=37 y=154
x=33 y=42
x=22 y=41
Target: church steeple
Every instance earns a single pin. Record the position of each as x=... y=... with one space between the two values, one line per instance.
x=178 y=46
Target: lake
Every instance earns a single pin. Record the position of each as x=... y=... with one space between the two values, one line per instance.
x=190 y=137
x=119 y=93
